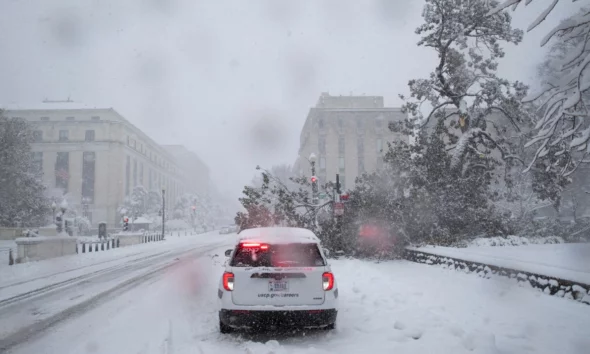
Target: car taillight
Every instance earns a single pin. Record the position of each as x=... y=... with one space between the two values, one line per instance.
x=261 y=246
x=328 y=281
x=228 y=281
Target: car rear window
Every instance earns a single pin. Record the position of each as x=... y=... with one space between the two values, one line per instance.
x=279 y=255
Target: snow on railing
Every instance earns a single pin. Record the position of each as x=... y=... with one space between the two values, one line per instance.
x=543 y=283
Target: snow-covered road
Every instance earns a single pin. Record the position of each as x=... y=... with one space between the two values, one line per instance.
x=167 y=305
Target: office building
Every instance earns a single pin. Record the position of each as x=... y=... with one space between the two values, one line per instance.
x=94 y=158
x=349 y=136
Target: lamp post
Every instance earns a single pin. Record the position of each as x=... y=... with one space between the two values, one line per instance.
x=314 y=181
x=53 y=207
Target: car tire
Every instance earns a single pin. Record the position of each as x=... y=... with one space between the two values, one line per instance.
x=225 y=329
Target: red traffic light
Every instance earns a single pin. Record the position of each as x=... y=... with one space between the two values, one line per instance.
x=194 y=207
x=314 y=179
x=126 y=219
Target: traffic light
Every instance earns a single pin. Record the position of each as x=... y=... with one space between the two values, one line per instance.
x=314 y=179
x=125 y=224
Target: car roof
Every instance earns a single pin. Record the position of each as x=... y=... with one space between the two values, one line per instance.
x=278 y=235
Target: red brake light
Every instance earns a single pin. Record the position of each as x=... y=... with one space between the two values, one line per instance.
x=228 y=281
x=250 y=245
x=261 y=246
x=328 y=281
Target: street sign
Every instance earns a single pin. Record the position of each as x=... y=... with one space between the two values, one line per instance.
x=338 y=209
x=322 y=196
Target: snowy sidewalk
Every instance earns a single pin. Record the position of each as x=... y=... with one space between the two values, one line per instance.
x=570 y=261
x=19 y=277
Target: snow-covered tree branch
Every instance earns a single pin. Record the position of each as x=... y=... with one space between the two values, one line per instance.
x=563 y=130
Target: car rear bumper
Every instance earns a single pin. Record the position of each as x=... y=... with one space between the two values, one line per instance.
x=268 y=319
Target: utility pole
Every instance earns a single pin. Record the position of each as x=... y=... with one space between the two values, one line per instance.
x=163 y=211
x=314 y=179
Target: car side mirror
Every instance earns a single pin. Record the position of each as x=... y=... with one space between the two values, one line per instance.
x=326 y=252
x=228 y=253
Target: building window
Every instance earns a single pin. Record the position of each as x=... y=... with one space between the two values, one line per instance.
x=360 y=146
x=141 y=173
x=340 y=123
x=64 y=135
x=150 y=179
x=379 y=145
x=62 y=169
x=88 y=175
x=359 y=124
x=70 y=118
x=44 y=119
x=322 y=162
x=95 y=118
x=321 y=123
x=134 y=172
x=37 y=136
x=341 y=163
x=361 y=165
x=127 y=175
x=341 y=144
x=322 y=144
x=89 y=136
x=37 y=162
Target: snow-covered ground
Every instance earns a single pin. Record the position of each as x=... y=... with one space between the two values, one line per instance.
x=570 y=261
x=389 y=307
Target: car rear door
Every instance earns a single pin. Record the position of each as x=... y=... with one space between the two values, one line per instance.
x=278 y=275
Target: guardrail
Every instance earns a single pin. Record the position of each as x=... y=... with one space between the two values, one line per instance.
x=547 y=284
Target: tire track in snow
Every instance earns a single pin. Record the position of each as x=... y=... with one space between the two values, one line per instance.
x=25 y=333
x=73 y=281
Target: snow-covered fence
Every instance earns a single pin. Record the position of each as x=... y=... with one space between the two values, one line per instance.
x=546 y=284
x=152 y=237
x=97 y=245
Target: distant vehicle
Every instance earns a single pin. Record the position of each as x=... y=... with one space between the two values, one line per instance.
x=277 y=276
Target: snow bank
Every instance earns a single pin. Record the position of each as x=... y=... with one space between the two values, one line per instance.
x=514 y=241
x=570 y=261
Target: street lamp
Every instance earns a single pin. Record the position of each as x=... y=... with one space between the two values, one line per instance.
x=314 y=180
x=53 y=207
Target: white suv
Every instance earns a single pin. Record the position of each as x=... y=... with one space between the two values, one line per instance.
x=277 y=277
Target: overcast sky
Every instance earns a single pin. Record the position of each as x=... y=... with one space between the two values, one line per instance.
x=231 y=80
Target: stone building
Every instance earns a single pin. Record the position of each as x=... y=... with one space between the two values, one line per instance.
x=95 y=157
x=349 y=136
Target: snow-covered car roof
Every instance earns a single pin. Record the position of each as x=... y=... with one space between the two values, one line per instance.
x=278 y=235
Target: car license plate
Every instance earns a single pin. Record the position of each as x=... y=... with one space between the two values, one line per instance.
x=278 y=286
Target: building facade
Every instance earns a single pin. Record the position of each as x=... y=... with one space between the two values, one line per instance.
x=94 y=158
x=348 y=135
x=196 y=173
